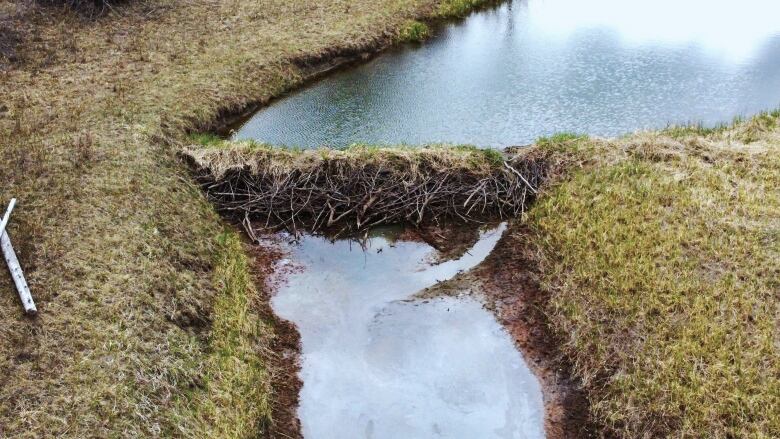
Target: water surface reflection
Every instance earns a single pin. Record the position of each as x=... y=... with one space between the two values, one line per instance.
x=530 y=68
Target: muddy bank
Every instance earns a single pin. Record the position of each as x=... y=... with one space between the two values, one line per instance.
x=304 y=70
x=283 y=353
x=509 y=280
x=509 y=284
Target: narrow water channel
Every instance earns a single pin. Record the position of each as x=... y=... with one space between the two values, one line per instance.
x=378 y=363
x=530 y=68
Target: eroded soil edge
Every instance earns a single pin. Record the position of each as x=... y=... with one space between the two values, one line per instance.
x=508 y=281
x=283 y=353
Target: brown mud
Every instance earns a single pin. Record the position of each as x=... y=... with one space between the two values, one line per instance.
x=508 y=280
x=283 y=354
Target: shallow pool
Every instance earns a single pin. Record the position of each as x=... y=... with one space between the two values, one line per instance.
x=377 y=363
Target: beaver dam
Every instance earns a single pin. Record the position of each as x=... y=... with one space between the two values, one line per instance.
x=373 y=356
x=361 y=187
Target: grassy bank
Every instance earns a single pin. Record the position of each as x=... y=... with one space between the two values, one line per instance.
x=133 y=336
x=233 y=399
x=659 y=253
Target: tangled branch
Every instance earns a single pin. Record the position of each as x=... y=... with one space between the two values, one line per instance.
x=356 y=189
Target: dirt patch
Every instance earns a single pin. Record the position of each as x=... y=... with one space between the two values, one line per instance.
x=9 y=40
x=283 y=354
x=452 y=241
x=509 y=280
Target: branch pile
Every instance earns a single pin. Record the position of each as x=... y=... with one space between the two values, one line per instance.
x=361 y=187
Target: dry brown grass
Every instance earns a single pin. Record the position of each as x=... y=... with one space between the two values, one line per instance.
x=660 y=255
x=118 y=245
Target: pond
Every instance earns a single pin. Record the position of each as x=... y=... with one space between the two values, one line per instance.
x=378 y=363
x=531 y=68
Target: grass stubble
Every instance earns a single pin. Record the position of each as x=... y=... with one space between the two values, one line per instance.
x=658 y=250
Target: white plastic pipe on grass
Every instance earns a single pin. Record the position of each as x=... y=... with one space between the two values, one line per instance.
x=7 y=215
x=17 y=274
x=13 y=264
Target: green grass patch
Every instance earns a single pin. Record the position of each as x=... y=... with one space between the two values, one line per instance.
x=233 y=399
x=461 y=8
x=414 y=32
x=660 y=258
x=697 y=129
x=205 y=139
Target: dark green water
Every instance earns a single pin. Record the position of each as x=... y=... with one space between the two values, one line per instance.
x=532 y=68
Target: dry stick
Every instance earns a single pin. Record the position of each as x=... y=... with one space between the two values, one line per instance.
x=364 y=195
x=533 y=190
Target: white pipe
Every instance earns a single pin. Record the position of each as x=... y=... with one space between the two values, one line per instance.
x=7 y=215
x=17 y=274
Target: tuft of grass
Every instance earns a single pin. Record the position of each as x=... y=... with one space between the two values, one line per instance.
x=414 y=31
x=659 y=256
x=205 y=139
x=461 y=8
x=560 y=138
x=565 y=144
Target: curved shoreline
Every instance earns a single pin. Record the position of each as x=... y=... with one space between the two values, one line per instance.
x=508 y=278
x=309 y=67
x=507 y=281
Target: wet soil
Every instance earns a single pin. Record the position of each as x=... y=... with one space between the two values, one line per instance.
x=509 y=279
x=283 y=353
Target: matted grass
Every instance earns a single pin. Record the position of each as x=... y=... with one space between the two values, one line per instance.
x=661 y=256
